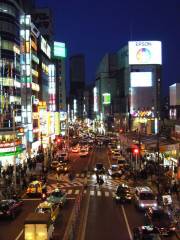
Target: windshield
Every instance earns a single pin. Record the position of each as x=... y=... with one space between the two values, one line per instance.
x=146 y=196
x=57 y=194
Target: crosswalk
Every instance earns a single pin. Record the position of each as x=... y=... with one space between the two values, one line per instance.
x=92 y=192
x=81 y=179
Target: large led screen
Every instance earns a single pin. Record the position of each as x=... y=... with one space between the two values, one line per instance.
x=145 y=52
x=59 y=49
x=141 y=79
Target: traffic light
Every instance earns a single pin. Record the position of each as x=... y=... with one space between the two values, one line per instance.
x=58 y=140
x=136 y=151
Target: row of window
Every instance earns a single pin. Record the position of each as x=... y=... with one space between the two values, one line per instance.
x=8 y=9
x=9 y=27
x=8 y=45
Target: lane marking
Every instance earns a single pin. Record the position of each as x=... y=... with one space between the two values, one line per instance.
x=99 y=193
x=19 y=235
x=127 y=223
x=92 y=193
x=85 y=217
x=106 y=194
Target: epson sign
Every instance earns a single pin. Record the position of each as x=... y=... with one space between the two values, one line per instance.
x=143 y=44
x=145 y=52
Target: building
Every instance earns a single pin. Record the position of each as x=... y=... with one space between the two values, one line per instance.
x=77 y=85
x=174 y=92
x=132 y=87
x=12 y=139
x=43 y=19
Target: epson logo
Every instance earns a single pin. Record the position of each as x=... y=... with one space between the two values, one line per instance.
x=143 y=44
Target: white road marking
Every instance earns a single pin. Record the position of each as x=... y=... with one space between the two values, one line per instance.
x=69 y=191
x=92 y=193
x=82 y=237
x=77 y=174
x=19 y=235
x=106 y=194
x=127 y=223
x=77 y=192
x=99 y=193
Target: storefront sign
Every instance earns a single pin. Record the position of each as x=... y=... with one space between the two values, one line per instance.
x=11 y=149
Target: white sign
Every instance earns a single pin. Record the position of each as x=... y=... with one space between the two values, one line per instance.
x=11 y=149
x=145 y=52
x=141 y=79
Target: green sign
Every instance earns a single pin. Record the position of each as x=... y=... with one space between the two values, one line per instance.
x=14 y=153
x=59 y=50
x=106 y=98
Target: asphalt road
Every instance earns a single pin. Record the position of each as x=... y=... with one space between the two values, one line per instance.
x=102 y=219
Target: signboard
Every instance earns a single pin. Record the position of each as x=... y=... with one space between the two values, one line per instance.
x=95 y=99
x=59 y=49
x=145 y=52
x=45 y=47
x=106 y=98
x=141 y=79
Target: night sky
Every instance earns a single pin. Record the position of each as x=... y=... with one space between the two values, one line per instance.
x=94 y=27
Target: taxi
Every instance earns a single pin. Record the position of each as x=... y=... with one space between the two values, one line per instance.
x=35 y=188
x=48 y=207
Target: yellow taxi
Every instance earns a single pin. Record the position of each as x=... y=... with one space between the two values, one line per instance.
x=48 y=207
x=35 y=188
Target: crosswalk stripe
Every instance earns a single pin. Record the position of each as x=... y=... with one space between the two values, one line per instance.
x=106 y=194
x=99 y=193
x=92 y=193
x=69 y=191
x=77 y=192
x=77 y=174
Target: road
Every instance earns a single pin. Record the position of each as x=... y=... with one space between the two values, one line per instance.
x=102 y=217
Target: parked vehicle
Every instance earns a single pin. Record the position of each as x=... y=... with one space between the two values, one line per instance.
x=146 y=233
x=10 y=208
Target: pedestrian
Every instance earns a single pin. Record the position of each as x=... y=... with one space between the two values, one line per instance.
x=97 y=178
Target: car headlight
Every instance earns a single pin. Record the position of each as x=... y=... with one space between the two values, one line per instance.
x=117 y=197
x=95 y=169
x=155 y=204
x=141 y=204
x=172 y=228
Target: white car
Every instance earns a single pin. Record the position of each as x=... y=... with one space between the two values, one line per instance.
x=115 y=171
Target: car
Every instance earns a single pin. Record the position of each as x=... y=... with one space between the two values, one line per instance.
x=146 y=233
x=144 y=198
x=116 y=156
x=99 y=168
x=83 y=152
x=115 y=171
x=75 y=149
x=122 y=163
x=10 y=208
x=57 y=196
x=64 y=155
x=54 y=165
x=162 y=219
x=48 y=207
x=35 y=188
x=123 y=193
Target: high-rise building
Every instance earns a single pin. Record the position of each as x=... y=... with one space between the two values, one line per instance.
x=77 y=84
x=43 y=19
x=11 y=140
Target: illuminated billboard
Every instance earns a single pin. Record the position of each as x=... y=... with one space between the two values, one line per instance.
x=59 y=49
x=95 y=99
x=145 y=52
x=106 y=98
x=141 y=79
x=45 y=47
